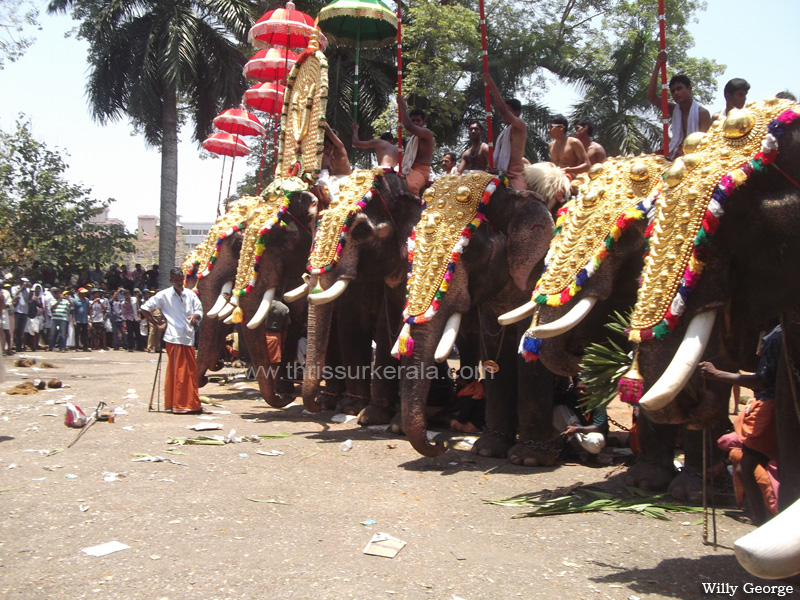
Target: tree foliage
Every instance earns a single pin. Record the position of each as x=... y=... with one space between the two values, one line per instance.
x=45 y=219
x=17 y=18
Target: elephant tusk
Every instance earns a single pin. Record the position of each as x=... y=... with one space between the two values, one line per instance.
x=448 y=338
x=227 y=287
x=229 y=319
x=229 y=308
x=683 y=364
x=576 y=314
x=331 y=294
x=773 y=550
x=296 y=293
x=523 y=312
x=263 y=309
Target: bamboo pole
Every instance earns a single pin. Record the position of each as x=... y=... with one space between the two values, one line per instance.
x=399 y=81
x=662 y=45
x=485 y=54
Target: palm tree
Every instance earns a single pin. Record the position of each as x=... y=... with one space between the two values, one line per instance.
x=161 y=62
x=615 y=98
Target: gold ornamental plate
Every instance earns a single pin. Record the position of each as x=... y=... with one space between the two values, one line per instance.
x=680 y=210
x=451 y=204
x=615 y=187
x=303 y=117
x=333 y=220
x=268 y=209
x=238 y=212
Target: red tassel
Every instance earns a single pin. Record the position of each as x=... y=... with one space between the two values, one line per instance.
x=631 y=386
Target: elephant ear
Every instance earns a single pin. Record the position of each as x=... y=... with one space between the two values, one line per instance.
x=530 y=229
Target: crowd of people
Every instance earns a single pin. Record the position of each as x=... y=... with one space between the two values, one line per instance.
x=97 y=310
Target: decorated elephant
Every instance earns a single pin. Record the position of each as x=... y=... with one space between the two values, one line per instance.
x=210 y=271
x=357 y=271
x=477 y=249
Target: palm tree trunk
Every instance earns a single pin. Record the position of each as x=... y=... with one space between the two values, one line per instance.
x=169 y=189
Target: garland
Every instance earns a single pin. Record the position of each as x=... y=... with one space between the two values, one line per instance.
x=263 y=238
x=405 y=342
x=217 y=246
x=716 y=209
x=360 y=205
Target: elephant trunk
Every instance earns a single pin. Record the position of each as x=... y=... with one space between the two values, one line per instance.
x=415 y=395
x=319 y=328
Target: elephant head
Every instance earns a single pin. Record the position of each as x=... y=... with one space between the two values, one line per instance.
x=210 y=269
x=274 y=252
x=361 y=243
x=456 y=269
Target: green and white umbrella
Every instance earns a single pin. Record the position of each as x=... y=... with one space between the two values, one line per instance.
x=358 y=23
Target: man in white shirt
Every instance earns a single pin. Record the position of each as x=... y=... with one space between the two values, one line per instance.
x=182 y=311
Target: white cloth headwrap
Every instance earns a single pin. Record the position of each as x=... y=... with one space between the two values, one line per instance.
x=502 y=150
x=410 y=154
x=692 y=124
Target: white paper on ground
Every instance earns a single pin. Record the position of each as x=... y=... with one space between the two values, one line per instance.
x=204 y=426
x=382 y=544
x=103 y=549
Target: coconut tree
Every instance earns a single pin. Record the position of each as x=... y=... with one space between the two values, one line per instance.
x=161 y=62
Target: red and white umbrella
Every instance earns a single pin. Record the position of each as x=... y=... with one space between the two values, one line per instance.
x=225 y=144
x=285 y=27
x=270 y=65
x=239 y=122
x=266 y=97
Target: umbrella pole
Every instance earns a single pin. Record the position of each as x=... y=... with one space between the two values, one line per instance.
x=355 y=80
x=662 y=45
x=399 y=83
x=221 y=179
x=275 y=122
x=230 y=179
x=261 y=170
x=485 y=54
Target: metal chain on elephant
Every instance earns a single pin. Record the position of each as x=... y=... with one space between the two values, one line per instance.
x=543 y=446
x=491 y=366
x=494 y=432
x=620 y=425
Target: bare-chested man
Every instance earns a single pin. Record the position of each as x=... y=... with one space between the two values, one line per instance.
x=510 y=145
x=595 y=152
x=565 y=151
x=385 y=148
x=419 y=149
x=449 y=166
x=686 y=114
x=334 y=156
x=476 y=157
x=735 y=93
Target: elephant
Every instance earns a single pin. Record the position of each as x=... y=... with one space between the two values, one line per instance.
x=209 y=270
x=494 y=272
x=357 y=288
x=274 y=252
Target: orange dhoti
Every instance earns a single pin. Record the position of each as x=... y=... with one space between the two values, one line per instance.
x=181 y=394
x=417 y=177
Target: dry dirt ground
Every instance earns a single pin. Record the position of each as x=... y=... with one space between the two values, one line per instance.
x=233 y=523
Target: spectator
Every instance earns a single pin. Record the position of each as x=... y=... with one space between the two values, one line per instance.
x=20 y=295
x=80 y=319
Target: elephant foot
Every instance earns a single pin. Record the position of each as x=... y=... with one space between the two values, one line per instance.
x=352 y=404
x=202 y=380
x=494 y=445
x=396 y=425
x=648 y=476
x=687 y=487
x=530 y=453
x=327 y=400
x=375 y=415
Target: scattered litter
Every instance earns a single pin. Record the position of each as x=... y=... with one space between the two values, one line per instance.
x=457 y=554
x=120 y=411
x=201 y=440
x=148 y=458
x=431 y=434
x=204 y=426
x=270 y=453
x=382 y=544
x=154 y=557
x=70 y=476
x=39 y=479
x=464 y=443
x=218 y=412
x=377 y=427
x=369 y=522
x=208 y=417
x=244 y=455
x=74 y=417
x=346 y=445
x=271 y=436
x=171 y=451
x=46 y=452
x=131 y=394
x=49 y=415
x=167 y=480
x=108 y=476
x=8 y=490
x=174 y=522
x=391 y=446
x=128 y=428
x=12 y=466
x=83 y=507
x=103 y=549
x=270 y=501
x=309 y=455
x=343 y=418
